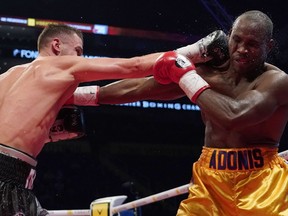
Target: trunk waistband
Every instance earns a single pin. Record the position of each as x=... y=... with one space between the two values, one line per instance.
x=6 y=150
x=238 y=159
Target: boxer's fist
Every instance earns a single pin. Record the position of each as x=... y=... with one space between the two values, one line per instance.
x=69 y=124
x=170 y=67
x=212 y=49
x=215 y=45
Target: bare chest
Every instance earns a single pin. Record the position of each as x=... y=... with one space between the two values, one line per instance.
x=227 y=84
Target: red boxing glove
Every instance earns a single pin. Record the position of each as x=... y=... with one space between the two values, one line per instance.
x=170 y=67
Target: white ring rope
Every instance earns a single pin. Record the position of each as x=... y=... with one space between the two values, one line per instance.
x=83 y=212
x=140 y=202
x=153 y=198
x=284 y=154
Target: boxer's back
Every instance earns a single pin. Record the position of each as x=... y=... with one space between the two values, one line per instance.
x=30 y=98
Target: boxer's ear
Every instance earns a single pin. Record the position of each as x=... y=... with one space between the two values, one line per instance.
x=271 y=44
x=56 y=46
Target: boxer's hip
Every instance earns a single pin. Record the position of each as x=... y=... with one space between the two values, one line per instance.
x=16 y=167
x=238 y=159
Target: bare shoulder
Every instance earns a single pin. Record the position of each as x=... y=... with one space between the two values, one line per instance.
x=274 y=72
x=271 y=67
x=55 y=65
x=60 y=61
x=17 y=69
x=275 y=81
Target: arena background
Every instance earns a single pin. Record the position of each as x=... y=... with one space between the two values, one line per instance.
x=135 y=149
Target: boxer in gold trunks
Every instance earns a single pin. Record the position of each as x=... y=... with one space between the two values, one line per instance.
x=244 y=104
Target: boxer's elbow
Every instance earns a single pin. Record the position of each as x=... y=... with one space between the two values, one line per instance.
x=235 y=120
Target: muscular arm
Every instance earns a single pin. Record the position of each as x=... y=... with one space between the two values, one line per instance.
x=250 y=107
x=85 y=70
x=130 y=90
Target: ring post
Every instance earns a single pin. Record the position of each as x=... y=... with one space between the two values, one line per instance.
x=104 y=206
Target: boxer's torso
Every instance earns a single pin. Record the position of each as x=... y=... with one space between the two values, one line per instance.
x=265 y=133
x=30 y=98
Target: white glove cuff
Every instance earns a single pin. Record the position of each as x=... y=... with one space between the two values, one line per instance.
x=193 y=85
x=86 y=96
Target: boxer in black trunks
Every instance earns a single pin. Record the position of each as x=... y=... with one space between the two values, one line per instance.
x=30 y=98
